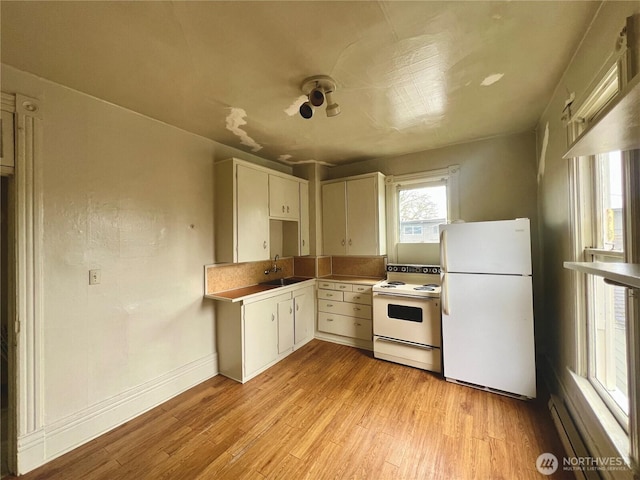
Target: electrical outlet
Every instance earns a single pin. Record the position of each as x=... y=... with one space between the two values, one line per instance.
x=94 y=277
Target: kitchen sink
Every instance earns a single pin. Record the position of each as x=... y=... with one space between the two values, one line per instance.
x=281 y=282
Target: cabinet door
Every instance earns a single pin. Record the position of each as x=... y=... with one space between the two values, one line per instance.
x=252 y=214
x=284 y=198
x=304 y=313
x=304 y=219
x=285 y=326
x=362 y=218
x=334 y=219
x=260 y=335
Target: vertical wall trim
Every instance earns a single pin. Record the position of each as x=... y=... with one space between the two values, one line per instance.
x=29 y=351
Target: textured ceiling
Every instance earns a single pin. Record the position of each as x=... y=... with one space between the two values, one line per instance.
x=410 y=76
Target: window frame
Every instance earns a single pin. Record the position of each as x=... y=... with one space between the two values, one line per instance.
x=448 y=176
x=585 y=195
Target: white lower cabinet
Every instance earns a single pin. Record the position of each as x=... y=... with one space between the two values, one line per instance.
x=253 y=335
x=304 y=315
x=344 y=309
x=285 y=325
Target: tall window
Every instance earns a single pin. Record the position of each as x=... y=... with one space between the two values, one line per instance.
x=606 y=311
x=599 y=217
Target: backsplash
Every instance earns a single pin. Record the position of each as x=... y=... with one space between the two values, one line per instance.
x=237 y=275
x=359 y=266
x=324 y=266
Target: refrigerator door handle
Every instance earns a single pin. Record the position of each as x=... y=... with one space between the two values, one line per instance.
x=445 y=295
x=443 y=250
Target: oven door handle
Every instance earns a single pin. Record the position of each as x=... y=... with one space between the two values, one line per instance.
x=404 y=342
x=445 y=295
x=399 y=296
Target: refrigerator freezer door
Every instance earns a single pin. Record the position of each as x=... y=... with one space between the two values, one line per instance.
x=487 y=332
x=502 y=247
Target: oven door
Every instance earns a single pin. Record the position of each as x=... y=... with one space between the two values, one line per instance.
x=410 y=319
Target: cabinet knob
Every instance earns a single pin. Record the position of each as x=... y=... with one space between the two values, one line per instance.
x=297 y=307
x=282 y=208
x=273 y=317
x=264 y=244
x=290 y=310
x=303 y=242
x=349 y=241
x=342 y=242
x=287 y=208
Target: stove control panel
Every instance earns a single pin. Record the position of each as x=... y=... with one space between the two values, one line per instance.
x=397 y=268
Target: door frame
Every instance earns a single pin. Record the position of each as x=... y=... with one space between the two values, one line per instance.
x=26 y=448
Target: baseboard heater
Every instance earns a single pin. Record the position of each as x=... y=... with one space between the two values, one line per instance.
x=569 y=436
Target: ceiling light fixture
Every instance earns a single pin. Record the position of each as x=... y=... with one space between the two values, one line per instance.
x=319 y=89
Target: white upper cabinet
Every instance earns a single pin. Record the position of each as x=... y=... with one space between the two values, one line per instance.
x=284 y=198
x=353 y=216
x=241 y=212
x=253 y=214
x=304 y=218
x=334 y=218
x=254 y=205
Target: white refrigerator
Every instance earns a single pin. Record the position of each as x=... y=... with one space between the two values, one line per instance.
x=487 y=306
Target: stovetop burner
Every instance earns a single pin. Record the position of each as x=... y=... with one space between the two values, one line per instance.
x=395 y=282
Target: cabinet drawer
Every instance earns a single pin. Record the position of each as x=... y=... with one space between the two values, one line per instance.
x=354 y=297
x=331 y=295
x=362 y=289
x=345 y=325
x=327 y=285
x=343 y=308
x=343 y=287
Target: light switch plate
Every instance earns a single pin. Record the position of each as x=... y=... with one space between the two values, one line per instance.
x=94 y=277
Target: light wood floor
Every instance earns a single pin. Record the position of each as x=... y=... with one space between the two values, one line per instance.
x=327 y=411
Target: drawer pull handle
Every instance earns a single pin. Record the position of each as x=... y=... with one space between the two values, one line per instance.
x=358 y=324
x=329 y=304
x=343 y=287
x=356 y=309
x=329 y=294
x=329 y=319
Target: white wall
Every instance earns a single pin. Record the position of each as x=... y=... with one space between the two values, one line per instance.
x=134 y=198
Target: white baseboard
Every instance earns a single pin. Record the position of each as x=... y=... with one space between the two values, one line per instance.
x=62 y=436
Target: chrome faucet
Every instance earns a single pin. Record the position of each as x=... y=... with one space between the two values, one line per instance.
x=275 y=267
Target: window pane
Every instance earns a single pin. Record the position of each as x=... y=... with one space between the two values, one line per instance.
x=610 y=233
x=420 y=211
x=610 y=341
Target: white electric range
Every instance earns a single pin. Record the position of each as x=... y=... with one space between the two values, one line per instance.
x=407 y=318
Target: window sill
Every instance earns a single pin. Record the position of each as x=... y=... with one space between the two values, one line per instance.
x=623 y=274
x=600 y=430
